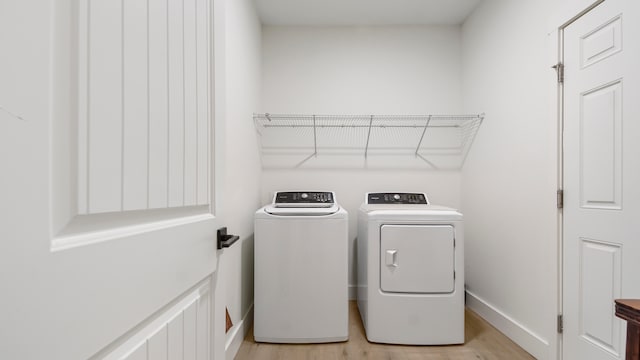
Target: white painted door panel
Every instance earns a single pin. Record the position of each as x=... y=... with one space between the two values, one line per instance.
x=107 y=220
x=601 y=176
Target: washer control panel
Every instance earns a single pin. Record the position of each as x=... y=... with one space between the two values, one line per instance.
x=397 y=198
x=304 y=199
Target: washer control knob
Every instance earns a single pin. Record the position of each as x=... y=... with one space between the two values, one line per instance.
x=304 y=195
x=396 y=197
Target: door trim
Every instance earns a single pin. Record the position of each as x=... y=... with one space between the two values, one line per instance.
x=572 y=15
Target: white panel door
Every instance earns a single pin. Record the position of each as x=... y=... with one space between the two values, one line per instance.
x=601 y=243
x=108 y=211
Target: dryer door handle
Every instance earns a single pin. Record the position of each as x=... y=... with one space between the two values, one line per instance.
x=391 y=258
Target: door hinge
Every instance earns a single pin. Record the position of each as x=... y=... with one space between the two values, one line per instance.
x=559 y=67
x=560 y=324
x=560 y=198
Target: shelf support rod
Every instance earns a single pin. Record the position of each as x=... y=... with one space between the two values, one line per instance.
x=423 y=132
x=366 y=148
x=315 y=139
x=473 y=137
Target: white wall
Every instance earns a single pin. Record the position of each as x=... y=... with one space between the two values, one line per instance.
x=242 y=163
x=509 y=180
x=362 y=70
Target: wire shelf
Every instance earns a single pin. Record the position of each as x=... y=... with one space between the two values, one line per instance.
x=434 y=141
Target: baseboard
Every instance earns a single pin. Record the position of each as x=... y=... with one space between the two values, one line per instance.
x=236 y=334
x=353 y=292
x=521 y=335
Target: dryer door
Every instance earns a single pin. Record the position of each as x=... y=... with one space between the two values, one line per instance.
x=417 y=258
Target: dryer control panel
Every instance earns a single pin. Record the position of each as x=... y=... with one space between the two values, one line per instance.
x=304 y=199
x=397 y=198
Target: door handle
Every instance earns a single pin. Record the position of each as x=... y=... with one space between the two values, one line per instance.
x=226 y=240
x=391 y=258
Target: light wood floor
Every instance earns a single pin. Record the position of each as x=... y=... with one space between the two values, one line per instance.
x=482 y=342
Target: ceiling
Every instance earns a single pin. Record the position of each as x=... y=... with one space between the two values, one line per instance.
x=364 y=12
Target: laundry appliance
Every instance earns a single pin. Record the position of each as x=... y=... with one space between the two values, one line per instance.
x=410 y=257
x=301 y=274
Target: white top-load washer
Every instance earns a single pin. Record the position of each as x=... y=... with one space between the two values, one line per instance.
x=410 y=270
x=301 y=275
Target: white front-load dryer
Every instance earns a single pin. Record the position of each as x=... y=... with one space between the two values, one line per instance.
x=300 y=272
x=410 y=270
